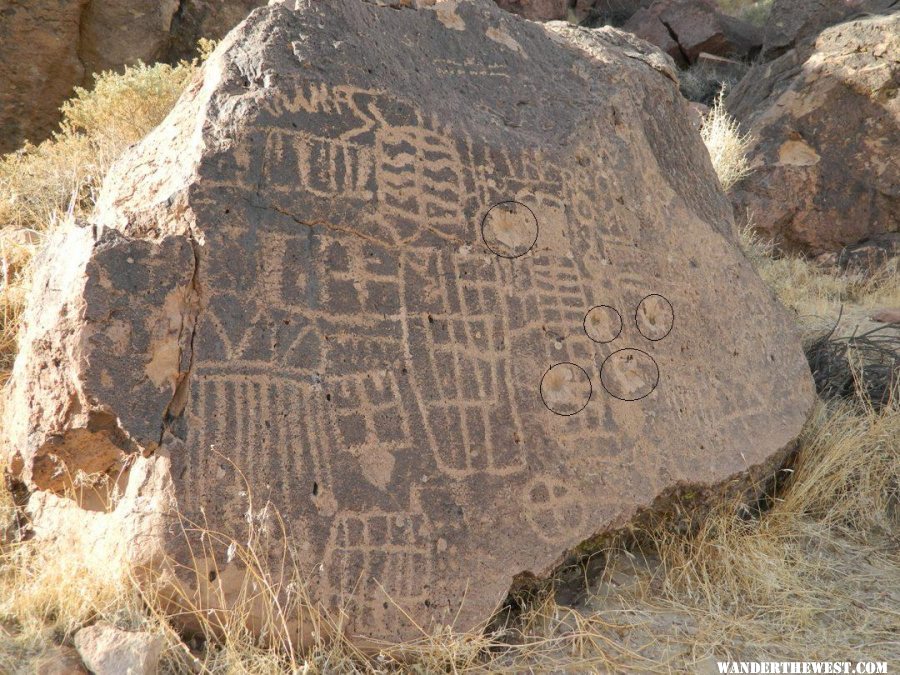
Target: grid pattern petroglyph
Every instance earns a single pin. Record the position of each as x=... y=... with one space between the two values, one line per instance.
x=383 y=338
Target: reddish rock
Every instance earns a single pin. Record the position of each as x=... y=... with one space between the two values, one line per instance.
x=685 y=28
x=887 y=316
x=697 y=113
x=824 y=124
x=607 y=12
x=59 y=661
x=39 y=66
x=450 y=320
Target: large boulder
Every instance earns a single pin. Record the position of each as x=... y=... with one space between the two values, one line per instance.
x=686 y=28
x=825 y=124
x=793 y=22
x=49 y=47
x=450 y=290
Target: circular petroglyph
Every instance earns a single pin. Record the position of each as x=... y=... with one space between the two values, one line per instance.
x=654 y=317
x=566 y=389
x=603 y=323
x=629 y=374
x=509 y=229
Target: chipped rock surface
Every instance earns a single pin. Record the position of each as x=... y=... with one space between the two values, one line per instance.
x=824 y=122
x=107 y=650
x=451 y=290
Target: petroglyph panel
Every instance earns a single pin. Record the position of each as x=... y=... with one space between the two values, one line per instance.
x=425 y=319
x=655 y=317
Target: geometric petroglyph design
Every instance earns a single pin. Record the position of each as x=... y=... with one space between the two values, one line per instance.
x=509 y=229
x=566 y=389
x=626 y=374
x=387 y=263
x=629 y=374
x=397 y=549
x=551 y=505
x=654 y=317
x=378 y=349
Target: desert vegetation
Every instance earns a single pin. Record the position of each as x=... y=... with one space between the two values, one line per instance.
x=810 y=571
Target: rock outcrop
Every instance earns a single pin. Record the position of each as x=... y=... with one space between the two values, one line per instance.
x=452 y=305
x=686 y=28
x=793 y=22
x=824 y=124
x=49 y=47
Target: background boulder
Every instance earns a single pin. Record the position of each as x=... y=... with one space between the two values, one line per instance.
x=824 y=123
x=451 y=305
x=792 y=22
x=686 y=28
x=538 y=10
x=47 y=48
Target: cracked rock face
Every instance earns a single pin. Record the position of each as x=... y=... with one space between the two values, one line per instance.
x=452 y=290
x=823 y=119
x=686 y=28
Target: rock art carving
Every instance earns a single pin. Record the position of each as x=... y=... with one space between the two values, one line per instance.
x=603 y=324
x=566 y=389
x=655 y=317
x=629 y=374
x=509 y=229
x=386 y=269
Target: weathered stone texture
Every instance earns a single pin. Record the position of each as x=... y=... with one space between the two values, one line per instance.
x=107 y=650
x=355 y=267
x=793 y=22
x=825 y=122
x=39 y=65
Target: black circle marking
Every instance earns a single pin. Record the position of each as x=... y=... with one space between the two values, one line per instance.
x=586 y=377
x=629 y=349
x=533 y=241
x=638 y=323
x=618 y=332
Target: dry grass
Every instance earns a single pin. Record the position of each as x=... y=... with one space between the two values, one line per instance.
x=813 y=291
x=817 y=575
x=41 y=186
x=726 y=144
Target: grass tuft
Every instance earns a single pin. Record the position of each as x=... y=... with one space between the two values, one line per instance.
x=726 y=144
